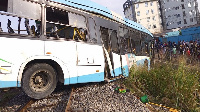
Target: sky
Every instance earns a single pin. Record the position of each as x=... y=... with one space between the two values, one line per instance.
x=114 y=5
x=117 y=5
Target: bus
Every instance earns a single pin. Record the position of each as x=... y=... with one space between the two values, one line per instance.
x=45 y=43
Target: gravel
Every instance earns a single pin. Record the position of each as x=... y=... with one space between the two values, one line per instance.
x=103 y=97
x=92 y=97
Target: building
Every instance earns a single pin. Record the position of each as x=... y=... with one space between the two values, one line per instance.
x=145 y=12
x=159 y=15
x=179 y=13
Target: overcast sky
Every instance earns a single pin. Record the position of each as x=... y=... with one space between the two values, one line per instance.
x=117 y=5
x=114 y=5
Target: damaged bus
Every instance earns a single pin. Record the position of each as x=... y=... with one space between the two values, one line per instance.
x=46 y=42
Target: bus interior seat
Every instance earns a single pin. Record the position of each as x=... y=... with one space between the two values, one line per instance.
x=10 y=30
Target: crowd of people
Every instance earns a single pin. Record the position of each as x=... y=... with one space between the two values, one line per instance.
x=169 y=50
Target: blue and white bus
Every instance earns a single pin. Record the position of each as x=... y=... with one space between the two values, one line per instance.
x=46 y=42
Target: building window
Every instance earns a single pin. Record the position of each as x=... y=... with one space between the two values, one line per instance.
x=194 y=12
x=177 y=8
x=138 y=13
x=183 y=7
x=190 y=12
x=149 y=26
x=184 y=13
x=189 y=4
x=148 y=19
x=178 y=23
x=154 y=26
x=153 y=18
x=191 y=19
x=152 y=11
x=146 y=4
x=185 y=21
x=151 y=3
x=137 y=6
x=147 y=12
x=139 y=21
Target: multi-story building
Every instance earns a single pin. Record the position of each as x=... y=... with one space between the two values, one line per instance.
x=179 y=13
x=159 y=15
x=145 y=12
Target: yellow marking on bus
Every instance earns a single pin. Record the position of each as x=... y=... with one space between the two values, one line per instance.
x=4 y=69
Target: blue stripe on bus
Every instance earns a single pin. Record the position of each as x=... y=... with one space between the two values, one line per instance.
x=96 y=77
x=6 y=84
x=118 y=71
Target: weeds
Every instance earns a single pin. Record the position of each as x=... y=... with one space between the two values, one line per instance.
x=172 y=84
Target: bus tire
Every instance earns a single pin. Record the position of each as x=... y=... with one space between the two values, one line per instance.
x=39 y=80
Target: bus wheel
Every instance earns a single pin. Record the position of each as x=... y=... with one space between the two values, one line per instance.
x=39 y=80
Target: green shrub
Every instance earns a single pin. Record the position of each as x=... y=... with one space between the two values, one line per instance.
x=172 y=84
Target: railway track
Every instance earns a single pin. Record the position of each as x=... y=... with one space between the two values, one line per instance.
x=88 y=97
x=57 y=102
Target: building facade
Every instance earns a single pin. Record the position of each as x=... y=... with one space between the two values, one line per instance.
x=179 y=13
x=159 y=15
x=145 y=12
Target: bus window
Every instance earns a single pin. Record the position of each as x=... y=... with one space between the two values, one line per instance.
x=77 y=20
x=80 y=34
x=57 y=16
x=105 y=38
x=92 y=31
x=124 y=36
x=68 y=25
x=114 y=42
x=18 y=25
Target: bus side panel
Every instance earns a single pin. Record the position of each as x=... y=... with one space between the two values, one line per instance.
x=14 y=52
x=66 y=52
x=117 y=64
x=90 y=66
x=125 y=67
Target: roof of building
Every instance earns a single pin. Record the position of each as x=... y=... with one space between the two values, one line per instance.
x=94 y=7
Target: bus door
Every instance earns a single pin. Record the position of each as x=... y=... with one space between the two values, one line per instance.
x=109 y=64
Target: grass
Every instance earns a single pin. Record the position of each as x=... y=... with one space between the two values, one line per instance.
x=172 y=84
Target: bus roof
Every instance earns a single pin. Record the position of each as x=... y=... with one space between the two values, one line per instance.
x=94 y=7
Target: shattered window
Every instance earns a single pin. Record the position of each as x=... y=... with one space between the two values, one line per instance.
x=56 y=15
x=15 y=20
x=114 y=41
x=18 y=25
x=67 y=25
